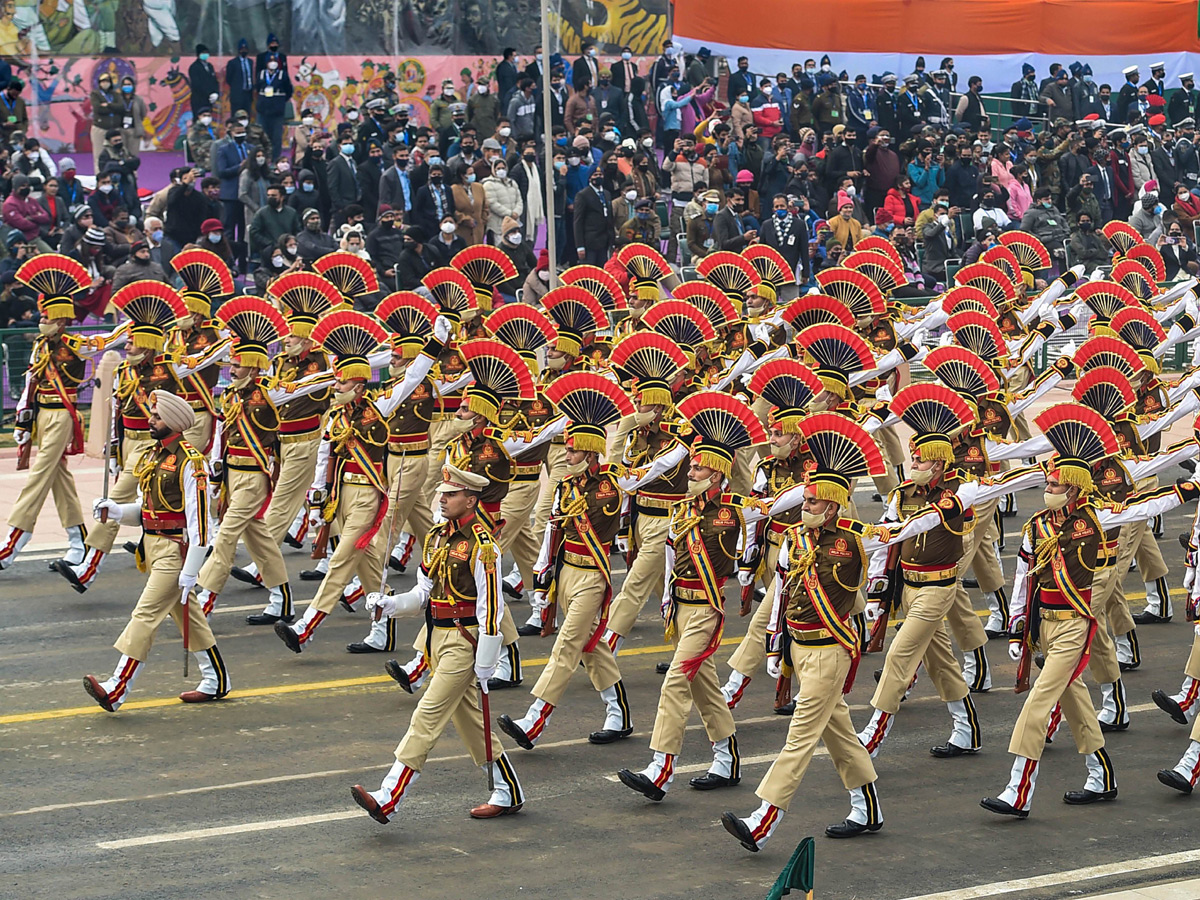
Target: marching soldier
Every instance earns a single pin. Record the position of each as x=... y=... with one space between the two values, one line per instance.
x=788 y=387
x=246 y=446
x=458 y=587
x=1063 y=548
x=1182 y=706
x=304 y=298
x=350 y=486
x=47 y=416
x=205 y=278
x=172 y=479
x=647 y=270
x=928 y=565
x=577 y=316
x=573 y=567
x=153 y=307
x=500 y=375
x=822 y=564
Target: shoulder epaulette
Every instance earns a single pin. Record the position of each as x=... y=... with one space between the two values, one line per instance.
x=734 y=499
x=482 y=534
x=853 y=525
x=612 y=470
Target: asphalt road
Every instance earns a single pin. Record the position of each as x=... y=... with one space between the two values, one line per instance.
x=250 y=797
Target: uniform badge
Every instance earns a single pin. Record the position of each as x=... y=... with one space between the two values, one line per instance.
x=974 y=452
x=725 y=518
x=1111 y=476
x=946 y=503
x=605 y=490
x=1081 y=529
x=168 y=464
x=461 y=550
x=487 y=451
x=256 y=398
x=537 y=407
x=991 y=415
x=368 y=416
x=841 y=548
x=1152 y=403
x=420 y=393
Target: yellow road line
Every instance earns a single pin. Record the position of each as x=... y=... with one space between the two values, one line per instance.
x=364 y=681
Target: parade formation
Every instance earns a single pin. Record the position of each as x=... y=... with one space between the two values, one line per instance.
x=710 y=434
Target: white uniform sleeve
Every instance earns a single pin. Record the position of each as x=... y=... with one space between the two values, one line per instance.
x=552 y=429
x=1010 y=482
x=487 y=593
x=95 y=344
x=387 y=402
x=668 y=569
x=446 y=388
x=1185 y=407
x=1144 y=467
x=322 y=466
x=664 y=462
x=190 y=365
x=1156 y=503
x=302 y=387
x=195 y=505
x=1001 y=450
x=1017 y=605
x=543 y=561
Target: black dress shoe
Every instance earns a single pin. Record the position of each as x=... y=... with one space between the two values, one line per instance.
x=311 y=575
x=663 y=668
x=268 y=619
x=1129 y=667
x=393 y=668
x=993 y=635
x=640 y=783
x=60 y=566
x=710 y=782
x=510 y=591
x=345 y=604
x=515 y=731
x=992 y=804
x=529 y=630
x=1080 y=798
x=1185 y=541
x=288 y=636
x=364 y=647
x=130 y=547
x=787 y=709
x=848 y=829
x=970 y=582
x=1113 y=726
x=1145 y=617
x=1008 y=513
x=500 y=684
x=292 y=542
x=609 y=735
x=948 y=750
x=876 y=498
x=739 y=830
x=1169 y=706
x=243 y=576
x=1173 y=779
x=395 y=565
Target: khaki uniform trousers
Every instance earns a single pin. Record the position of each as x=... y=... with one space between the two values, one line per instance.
x=1103 y=663
x=889 y=445
x=1192 y=668
x=967 y=627
x=921 y=637
x=451 y=695
x=123 y=490
x=1149 y=556
x=1062 y=642
x=411 y=506
x=750 y=655
x=440 y=432
x=821 y=715
x=247 y=493
x=1116 y=607
x=358 y=505
x=518 y=536
x=201 y=431
x=694 y=629
x=982 y=558
x=159 y=599
x=556 y=467
x=48 y=474
x=297 y=464
x=645 y=576
x=580 y=593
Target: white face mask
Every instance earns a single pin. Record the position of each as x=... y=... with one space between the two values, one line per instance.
x=626 y=55
x=505 y=131
x=448 y=228
x=578 y=469
x=631 y=196
x=544 y=276
x=206 y=120
x=214 y=238
x=610 y=135
x=243 y=122
x=482 y=89
x=272 y=65
x=49 y=329
x=812 y=520
x=644 y=418
x=922 y=476
x=1055 y=501
x=851 y=191
x=341 y=398
x=696 y=488
x=648 y=143
x=277 y=262
x=461 y=426
x=514 y=238
x=500 y=173
x=307 y=120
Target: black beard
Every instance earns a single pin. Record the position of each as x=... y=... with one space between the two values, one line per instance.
x=161 y=434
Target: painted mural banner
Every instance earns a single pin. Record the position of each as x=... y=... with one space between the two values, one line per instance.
x=135 y=28
x=328 y=85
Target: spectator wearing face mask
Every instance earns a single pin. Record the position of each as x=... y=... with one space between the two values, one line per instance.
x=277 y=261
x=883 y=167
x=273 y=92
x=133 y=123
x=202 y=78
x=440 y=249
x=1140 y=162
x=385 y=243
x=306 y=194
x=1178 y=253
x=272 y=220
x=109 y=109
x=1058 y=96
x=939 y=234
x=370 y=172
x=25 y=214
x=1045 y=221
x=515 y=244
x=412 y=266
x=593 y=216
x=122 y=165
x=162 y=248
x=990 y=208
x=120 y=235
x=342 y=175
x=1186 y=208
x=483 y=109
x=212 y=237
x=1020 y=194
x=1081 y=199
x=311 y=241
x=641 y=227
x=470 y=208
x=239 y=76
x=138 y=267
x=1147 y=217
x=252 y=187
x=103 y=200
x=201 y=136
x=537 y=282
x=925 y=174
x=1088 y=248
x=901 y=203
x=434 y=200
x=503 y=199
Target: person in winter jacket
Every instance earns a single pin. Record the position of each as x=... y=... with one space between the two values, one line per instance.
x=517 y=247
x=1147 y=218
x=1045 y=221
x=503 y=199
x=901 y=203
x=1186 y=207
x=25 y=214
x=1088 y=248
x=926 y=175
x=1020 y=196
x=740 y=114
x=883 y=166
x=1140 y=164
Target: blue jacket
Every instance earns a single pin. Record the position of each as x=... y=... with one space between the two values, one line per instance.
x=281 y=88
x=858 y=104
x=671 y=110
x=577 y=180
x=227 y=166
x=925 y=182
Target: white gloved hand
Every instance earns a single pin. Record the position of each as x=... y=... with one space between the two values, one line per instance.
x=883 y=394
x=1014 y=651
x=186 y=582
x=441 y=329
x=919 y=338
x=315 y=519
x=622 y=543
x=538 y=601
x=212 y=98
x=946 y=339
x=114 y=468
x=878 y=586
x=774 y=666
x=114 y=509
x=21 y=436
x=1080 y=312
x=1198 y=629
x=873 y=611
x=745 y=577
x=386 y=603
x=1189 y=577
x=1068 y=350
x=487 y=655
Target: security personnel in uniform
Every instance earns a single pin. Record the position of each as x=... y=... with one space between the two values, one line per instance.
x=205 y=278
x=573 y=570
x=172 y=478
x=46 y=412
x=458 y=588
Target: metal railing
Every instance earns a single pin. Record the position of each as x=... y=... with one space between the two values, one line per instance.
x=15 y=347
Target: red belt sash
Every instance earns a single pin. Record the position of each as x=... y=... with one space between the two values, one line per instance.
x=300 y=426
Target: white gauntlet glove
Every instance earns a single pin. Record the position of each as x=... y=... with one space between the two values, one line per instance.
x=487 y=656
x=21 y=436
x=745 y=577
x=873 y=611
x=774 y=666
x=393 y=606
x=1014 y=651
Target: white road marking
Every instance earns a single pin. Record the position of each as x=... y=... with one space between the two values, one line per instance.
x=200 y=834
x=1071 y=876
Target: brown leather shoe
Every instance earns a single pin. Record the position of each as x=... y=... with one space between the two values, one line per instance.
x=364 y=799
x=491 y=811
x=198 y=697
x=92 y=685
